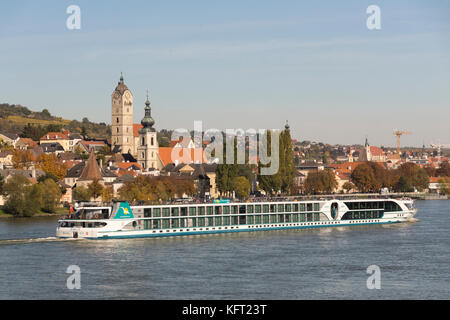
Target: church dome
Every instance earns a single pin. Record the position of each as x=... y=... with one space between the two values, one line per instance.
x=147 y=121
x=121 y=87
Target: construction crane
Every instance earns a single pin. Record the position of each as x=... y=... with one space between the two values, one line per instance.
x=438 y=146
x=399 y=133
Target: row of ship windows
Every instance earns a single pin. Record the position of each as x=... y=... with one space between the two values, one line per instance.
x=233 y=209
x=352 y=215
x=206 y=222
x=386 y=205
x=147 y=225
x=260 y=226
x=226 y=221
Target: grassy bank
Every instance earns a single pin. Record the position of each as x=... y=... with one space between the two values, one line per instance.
x=59 y=211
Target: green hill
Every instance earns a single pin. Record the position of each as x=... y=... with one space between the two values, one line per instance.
x=34 y=124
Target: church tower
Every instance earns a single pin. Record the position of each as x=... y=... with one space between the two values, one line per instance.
x=147 y=149
x=122 y=119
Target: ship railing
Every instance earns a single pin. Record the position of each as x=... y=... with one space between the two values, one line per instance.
x=357 y=196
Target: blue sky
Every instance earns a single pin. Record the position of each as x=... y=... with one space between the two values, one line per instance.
x=238 y=64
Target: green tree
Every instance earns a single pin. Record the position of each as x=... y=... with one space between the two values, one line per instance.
x=241 y=186
x=225 y=174
x=50 y=195
x=2 y=183
x=444 y=186
x=403 y=185
x=107 y=194
x=283 y=179
x=129 y=192
x=329 y=182
x=416 y=176
x=81 y=194
x=287 y=165
x=46 y=114
x=95 y=189
x=23 y=198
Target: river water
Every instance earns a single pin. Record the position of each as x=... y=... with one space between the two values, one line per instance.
x=327 y=263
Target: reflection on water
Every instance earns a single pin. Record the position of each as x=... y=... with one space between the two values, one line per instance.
x=322 y=263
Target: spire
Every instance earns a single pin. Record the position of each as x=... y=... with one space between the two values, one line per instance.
x=367 y=142
x=147 y=121
x=147 y=103
x=91 y=170
x=286 y=126
x=121 y=87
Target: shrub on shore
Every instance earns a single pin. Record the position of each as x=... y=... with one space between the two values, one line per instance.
x=25 y=199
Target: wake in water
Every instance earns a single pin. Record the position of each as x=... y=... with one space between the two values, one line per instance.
x=34 y=240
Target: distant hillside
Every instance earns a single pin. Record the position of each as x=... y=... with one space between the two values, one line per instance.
x=32 y=124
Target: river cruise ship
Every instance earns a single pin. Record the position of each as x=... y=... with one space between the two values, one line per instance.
x=120 y=220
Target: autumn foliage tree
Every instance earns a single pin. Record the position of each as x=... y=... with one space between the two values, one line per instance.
x=348 y=186
x=443 y=170
x=323 y=181
x=95 y=189
x=22 y=159
x=51 y=165
x=153 y=189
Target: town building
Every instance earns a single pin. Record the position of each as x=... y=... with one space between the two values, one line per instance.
x=122 y=137
x=372 y=153
x=148 y=148
x=9 y=138
x=85 y=172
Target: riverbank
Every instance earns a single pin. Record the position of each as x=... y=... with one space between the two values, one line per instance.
x=59 y=211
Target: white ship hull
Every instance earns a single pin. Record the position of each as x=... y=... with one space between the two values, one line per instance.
x=137 y=227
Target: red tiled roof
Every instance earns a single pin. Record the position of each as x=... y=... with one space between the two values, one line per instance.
x=136 y=128
x=54 y=136
x=349 y=165
x=86 y=144
x=183 y=142
x=375 y=151
x=181 y=155
x=29 y=142
x=126 y=165
x=436 y=159
x=71 y=163
x=436 y=179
